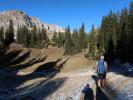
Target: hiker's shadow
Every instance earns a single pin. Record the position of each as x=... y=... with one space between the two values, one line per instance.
x=100 y=95
x=95 y=78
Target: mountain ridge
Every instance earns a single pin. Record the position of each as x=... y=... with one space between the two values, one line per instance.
x=21 y=18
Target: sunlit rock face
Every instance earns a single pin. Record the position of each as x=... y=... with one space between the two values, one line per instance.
x=21 y=18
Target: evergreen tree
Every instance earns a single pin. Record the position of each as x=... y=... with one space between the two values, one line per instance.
x=82 y=37
x=23 y=36
x=101 y=37
x=9 y=35
x=108 y=32
x=39 y=39
x=62 y=39
x=33 y=39
x=68 y=42
x=75 y=38
x=45 y=38
x=59 y=40
x=26 y=36
x=130 y=33
x=1 y=38
x=122 y=36
x=55 y=39
x=2 y=35
x=19 y=34
x=92 y=43
x=115 y=38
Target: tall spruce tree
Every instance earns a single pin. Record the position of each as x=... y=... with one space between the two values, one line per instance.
x=59 y=41
x=45 y=38
x=2 y=35
x=82 y=37
x=1 y=38
x=68 y=42
x=75 y=38
x=33 y=40
x=92 y=43
x=9 y=35
x=130 y=33
x=122 y=36
x=55 y=39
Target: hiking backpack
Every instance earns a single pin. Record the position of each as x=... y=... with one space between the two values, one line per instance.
x=101 y=67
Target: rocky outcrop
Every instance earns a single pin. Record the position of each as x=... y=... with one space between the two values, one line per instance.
x=21 y=18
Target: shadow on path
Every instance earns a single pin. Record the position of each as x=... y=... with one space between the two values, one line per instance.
x=123 y=69
x=43 y=88
x=12 y=84
x=41 y=91
x=37 y=85
x=100 y=95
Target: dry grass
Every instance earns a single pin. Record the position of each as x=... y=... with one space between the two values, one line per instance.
x=75 y=62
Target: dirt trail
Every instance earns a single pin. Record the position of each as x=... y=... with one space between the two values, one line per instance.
x=63 y=86
x=69 y=86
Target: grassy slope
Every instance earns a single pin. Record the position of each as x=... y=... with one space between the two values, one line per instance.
x=75 y=62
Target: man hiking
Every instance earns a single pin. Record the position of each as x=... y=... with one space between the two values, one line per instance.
x=88 y=93
x=101 y=68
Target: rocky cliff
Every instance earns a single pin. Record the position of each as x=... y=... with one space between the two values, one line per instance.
x=21 y=18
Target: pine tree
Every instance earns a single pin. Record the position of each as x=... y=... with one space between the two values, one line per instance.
x=39 y=39
x=82 y=37
x=122 y=36
x=1 y=38
x=130 y=33
x=59 y=40
x=101 y=37
x=23 y=36
x=55 y=39
x=75 y=38
x=9 y=35
x=92 y=43
x=18 y=34
x=110 y=50
x=34 y=32
x=26 y=36
x=33 y=39
x=2 y=35
x=45 y=38
x=108 y=32
x=68 y=42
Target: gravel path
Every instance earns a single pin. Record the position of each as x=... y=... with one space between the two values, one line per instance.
x=66 y=86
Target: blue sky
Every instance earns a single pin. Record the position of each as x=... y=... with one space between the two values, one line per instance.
x=64 y=12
